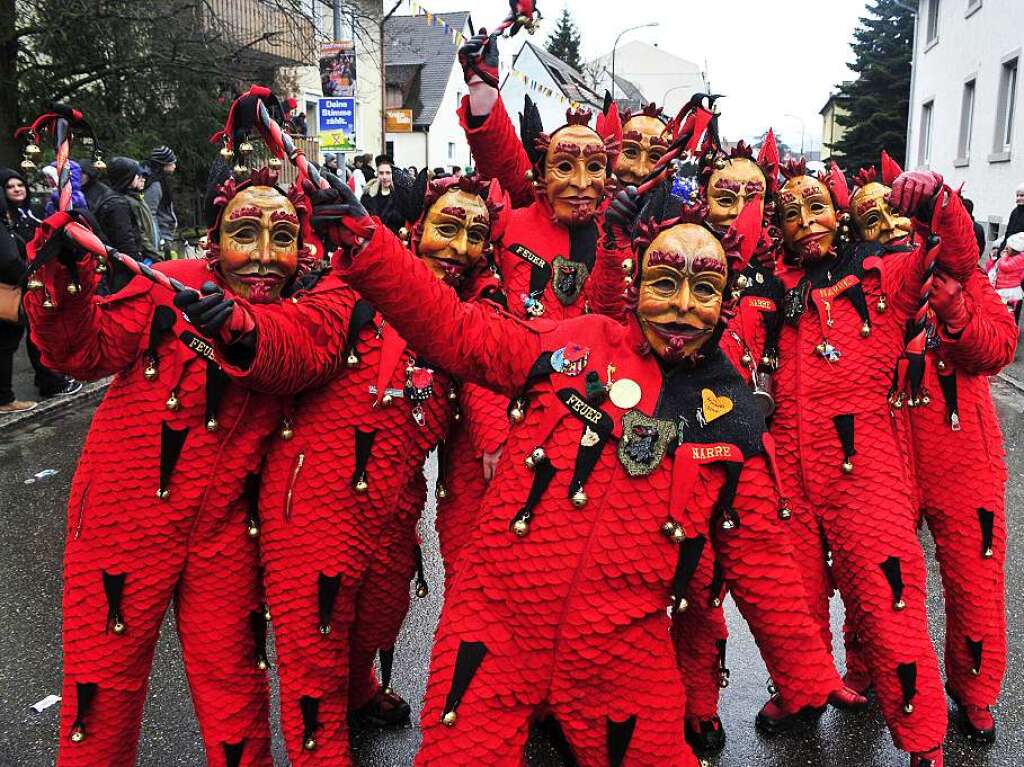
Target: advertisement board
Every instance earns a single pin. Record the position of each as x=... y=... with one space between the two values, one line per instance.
x=336 y=120
x=398 y=121
x=338 y=68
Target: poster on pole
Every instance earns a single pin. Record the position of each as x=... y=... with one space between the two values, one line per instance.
x=336 y=119
x=338 y=68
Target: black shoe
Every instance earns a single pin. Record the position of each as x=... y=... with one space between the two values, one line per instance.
x=385 y=709
x=773 y=720
x=69 y=387
x=705 y=736
x=552 y=728
x=975 y=723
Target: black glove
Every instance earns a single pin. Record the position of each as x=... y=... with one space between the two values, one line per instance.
x=479 y=58
x=339 y=219
x=212 y=313
x=620 y=216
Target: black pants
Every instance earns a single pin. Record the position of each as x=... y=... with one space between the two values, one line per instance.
x=47 y=381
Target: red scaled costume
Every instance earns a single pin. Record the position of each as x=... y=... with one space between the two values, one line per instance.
x=844 y=456
x=342 y=490
x=597 y=518
x=159 y=509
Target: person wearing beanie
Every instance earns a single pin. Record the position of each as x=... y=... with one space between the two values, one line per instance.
x=159 y=193
x=113 y=213
x=125 y=177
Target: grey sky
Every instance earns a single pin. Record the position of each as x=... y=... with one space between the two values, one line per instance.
x=769 y=57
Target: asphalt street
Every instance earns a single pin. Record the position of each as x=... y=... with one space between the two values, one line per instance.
x=31 y=542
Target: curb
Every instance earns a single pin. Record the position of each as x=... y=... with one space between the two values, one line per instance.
x=54 y=405
x=1012 y=382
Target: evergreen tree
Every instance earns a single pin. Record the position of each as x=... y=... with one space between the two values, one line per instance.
x=878 y=100
x=564 y=42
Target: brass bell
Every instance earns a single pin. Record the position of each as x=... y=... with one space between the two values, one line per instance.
x=678 y=534
x=212 y=425
x=262 y=664
x=287 y=432
x=899 y=605
x=118 y=627
x=325 y=629
x=245 y=147
x=150 y=372
x=579 y=499
x=457 y=416
x=452 y=395
x=975 y=672
x=77 y=733
x=448 y=720
x=516 y=414
x=421 y=590
x=941 y=365
x=683 y=605
x=162 y=494
x=746 y=359
x=536 y=457
x=32 y=150
x=785 y=513
x=627 y=264
x=34 y=284
x=227 y=154
x=521 y=527
x=241 y=171
x=274 y=164
x=309 y=744
x=172 y=402
x=352 y=360
x=766 y=361
x=48 y=303
x=27 y=166
x=908 y=708
x=386 y=400
x=988 y=553
x=403 y=234
x=362 y=485
x=847 y=466
x=101 y=265
x=882 y=305
x=73 y=289
x=716 y=602
x=742 y=282
x=529 y=175
x=728 y=523
x=627 y=280
x=865 y=330
x=99 y=166
x=440 y=493
x=266 y=613
x=253 y=530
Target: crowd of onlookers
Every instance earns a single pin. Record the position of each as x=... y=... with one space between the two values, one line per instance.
x=129 y=203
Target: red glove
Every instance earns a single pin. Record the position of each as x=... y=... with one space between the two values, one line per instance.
x=913 y=193
x=479 y=58
x=947 y=300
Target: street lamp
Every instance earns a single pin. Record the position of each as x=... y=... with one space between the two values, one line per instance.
x=616 y=45
x=803 y=131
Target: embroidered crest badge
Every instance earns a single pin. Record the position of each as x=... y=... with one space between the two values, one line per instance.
x=644 y=442
x=570 y=359
x=568 y=279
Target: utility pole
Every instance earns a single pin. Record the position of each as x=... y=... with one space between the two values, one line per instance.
x=384 y=82
x=337 y=20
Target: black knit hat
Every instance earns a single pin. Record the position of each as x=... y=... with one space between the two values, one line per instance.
x=162 y=155
x=121 y=171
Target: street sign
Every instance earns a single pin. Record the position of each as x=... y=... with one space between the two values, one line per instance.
x=398 y=121
x=336 y=119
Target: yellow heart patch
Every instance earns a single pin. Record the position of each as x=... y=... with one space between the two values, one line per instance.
x=714 y=406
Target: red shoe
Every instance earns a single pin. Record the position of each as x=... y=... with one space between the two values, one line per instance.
x=857 y=681
x=773 y=719
x=705 y=736
x=931 y=758
x=847 y=699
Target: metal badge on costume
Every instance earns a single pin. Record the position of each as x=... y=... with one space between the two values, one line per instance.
x=419 y=387
x=570 y=360
x=568 y=279
x=644 y=443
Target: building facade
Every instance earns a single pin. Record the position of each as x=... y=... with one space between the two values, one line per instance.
x=965 y=111
x=662 y=77
x=831 y=130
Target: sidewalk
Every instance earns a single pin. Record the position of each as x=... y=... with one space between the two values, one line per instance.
x=25 y=389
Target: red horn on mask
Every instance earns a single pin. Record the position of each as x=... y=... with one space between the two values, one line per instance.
x=891 y=169
x=836 y=183
x=501 y=207
x=609 y=128
x=747 y=230
x=768 y=159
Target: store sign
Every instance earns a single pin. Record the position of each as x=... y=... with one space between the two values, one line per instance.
x=336 y=120
x=398 y=121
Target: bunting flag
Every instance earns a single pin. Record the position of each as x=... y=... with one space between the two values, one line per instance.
x=434 y=20
x=542 y=89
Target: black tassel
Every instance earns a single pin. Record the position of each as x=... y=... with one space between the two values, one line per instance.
x=162 y=322
x=362 y=315
x=113 y=587
x=310 y=721
x=975 y=649
x=619 y=736
x=387 y=662
x=907 y=673
x=216 y=384
x=844 y=428
x=251 y=494
x=364 y=444
x=986 y=519
x=690 y=552
x=723 y=670
x=233 y=754
x=717 y=584
x=542 y=476
x=727 y=495
x=85 y=692
x=860 y=304
x=258 y=624
x=171 y=443
x=915 y=374
x=583 y=244
x=950 y=395
x=327 y=587
x=422 y=587
x=467 y=662
x=894 y=575
x=530 y=128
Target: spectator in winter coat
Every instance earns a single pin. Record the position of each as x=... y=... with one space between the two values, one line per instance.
x=19 y=227
x=379 y=198
x=114 y=215
x=979 y=230
x=124 y=175
x=77 y=198
x=1016 y=222
x=159 y=192
x=1007 y=272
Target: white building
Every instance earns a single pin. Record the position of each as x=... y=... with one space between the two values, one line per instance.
x=664 y=78
x=965 y=112
x=423 y=75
